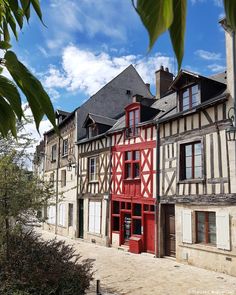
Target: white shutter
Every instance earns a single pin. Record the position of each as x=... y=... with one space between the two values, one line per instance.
x=222 y=231
x=62 y=214
x=97 y=221
x=91 y=216
x=187 y=226
x=53 y=214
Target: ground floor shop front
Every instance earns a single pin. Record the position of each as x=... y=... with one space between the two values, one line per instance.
x=133 y=224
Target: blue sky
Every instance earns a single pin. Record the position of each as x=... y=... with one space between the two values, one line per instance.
x=88 y=42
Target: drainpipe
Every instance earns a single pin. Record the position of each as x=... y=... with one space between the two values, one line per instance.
x=157 y=201
x=57 y=181
x=108 y=240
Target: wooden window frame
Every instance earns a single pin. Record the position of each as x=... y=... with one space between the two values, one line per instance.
x=54 y=153
x=190 y=97
x=182 y=162
x=132 y=163
x=65 y=150
x=96 y=169
x=132 y=130
x=206 y=231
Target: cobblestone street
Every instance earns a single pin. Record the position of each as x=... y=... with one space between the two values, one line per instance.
x=125 y=273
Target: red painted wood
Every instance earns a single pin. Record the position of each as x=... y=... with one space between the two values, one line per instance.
x=149 y=232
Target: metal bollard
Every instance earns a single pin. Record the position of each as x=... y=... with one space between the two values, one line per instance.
x=98 y=288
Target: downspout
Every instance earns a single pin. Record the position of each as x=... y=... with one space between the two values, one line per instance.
x=77 y=176
x=234 y=73
x=57 y=181
x=108 y=241
x=157 y=201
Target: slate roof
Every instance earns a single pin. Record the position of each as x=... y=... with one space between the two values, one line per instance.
x=111 y=99
x=99 y=119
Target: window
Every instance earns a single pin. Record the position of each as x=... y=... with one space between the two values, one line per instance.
x=189 y=98
x=54 y=153
x=51 y=179
x=132 y=162
x=133 y=121
x=191 y=161
x=206 y=227
x=92 y=130
x=62 y=219
x=51 y=214
x=63 y=178
x=70 y=215
x=65 y=147
x=95 y=217
x=93 y=169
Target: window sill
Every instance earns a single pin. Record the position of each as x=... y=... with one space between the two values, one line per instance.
x=194 y=180
x=93 y=181
x=132 y=179
x=64 y=156
x=204 y=247
x=95 y=234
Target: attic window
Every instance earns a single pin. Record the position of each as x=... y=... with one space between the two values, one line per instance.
x=133 y=119
x=189 y=97
x=92 y=130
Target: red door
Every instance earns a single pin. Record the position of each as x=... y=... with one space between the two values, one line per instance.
x=149 y=232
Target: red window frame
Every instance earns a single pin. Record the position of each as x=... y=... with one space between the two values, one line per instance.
x=190 y=104
x=132 y=119
x=131 y=162
x=192 y=166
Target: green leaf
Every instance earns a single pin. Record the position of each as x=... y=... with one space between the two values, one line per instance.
x=37 y=97
x=37 y=9
x=12 y=24
x=6 y=32
x=230 y=9
x=177 y=29
x=7 y=118
x=4 y=45
x=9 y=91
x=26 y=8
x=157 y=16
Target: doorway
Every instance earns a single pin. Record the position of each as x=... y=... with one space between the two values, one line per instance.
x=169 y=230
x=81 y=218
x=126 y=228
x=149 y=232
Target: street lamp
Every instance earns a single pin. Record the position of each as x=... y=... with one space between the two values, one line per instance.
x=231 y=131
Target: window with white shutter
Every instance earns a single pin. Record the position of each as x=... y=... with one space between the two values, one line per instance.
x=62 y=211
x=222 y=231
x=51 y=212
x=187 y=226
x=95 y=217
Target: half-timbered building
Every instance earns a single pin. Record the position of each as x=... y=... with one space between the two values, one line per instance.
x=133 y=184
x=65 y=212
x=94 y=179
x=197 y=179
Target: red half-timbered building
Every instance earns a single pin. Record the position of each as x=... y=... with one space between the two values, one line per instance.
x=133 y=185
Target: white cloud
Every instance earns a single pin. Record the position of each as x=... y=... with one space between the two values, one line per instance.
x=87 y=71
x=207 y=55
x=216 y=68
x=218 y=3
x=66 y=19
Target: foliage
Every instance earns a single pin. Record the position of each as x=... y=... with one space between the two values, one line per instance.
x=13 y=14
x=159 y=16
x=42 y=267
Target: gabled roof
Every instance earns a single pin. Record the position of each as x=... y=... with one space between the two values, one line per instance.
x=99 y=119
x=111 y=99
x=61 y=113
x=183 y=74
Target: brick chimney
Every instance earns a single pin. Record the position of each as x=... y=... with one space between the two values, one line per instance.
x=163 y=80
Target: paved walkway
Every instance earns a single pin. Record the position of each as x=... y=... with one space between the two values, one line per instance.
x=125 y=273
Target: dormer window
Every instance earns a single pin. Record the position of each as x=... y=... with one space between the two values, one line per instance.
x=189 y=98
x=92 y=130
x=132 y=121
